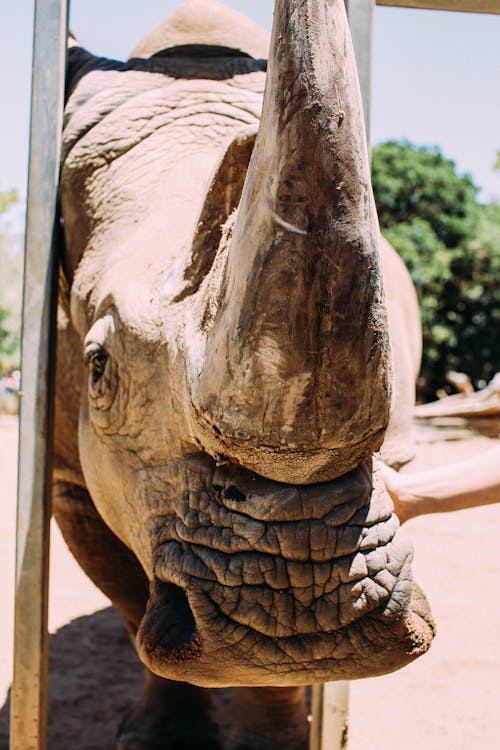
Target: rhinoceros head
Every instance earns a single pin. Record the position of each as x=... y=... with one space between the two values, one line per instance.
x=226 y=289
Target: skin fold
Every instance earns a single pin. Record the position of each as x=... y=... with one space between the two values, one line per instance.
x=224 y=375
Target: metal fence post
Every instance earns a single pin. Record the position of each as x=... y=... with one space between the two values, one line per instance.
x=29 y=688
x=330 y=716
x=360 y=15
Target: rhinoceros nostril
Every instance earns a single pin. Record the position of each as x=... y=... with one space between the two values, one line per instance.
x=168 y=629
x=233 y=493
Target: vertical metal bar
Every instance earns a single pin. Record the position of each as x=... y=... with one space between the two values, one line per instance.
x=335 y=715
x=360 y=14
x=316 y=731
x=330 y=716
x=29 y=688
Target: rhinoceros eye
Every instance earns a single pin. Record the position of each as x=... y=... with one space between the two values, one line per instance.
x=96 y=358
x=102 y=368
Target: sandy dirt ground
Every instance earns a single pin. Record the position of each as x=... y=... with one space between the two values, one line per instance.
x=448 y=700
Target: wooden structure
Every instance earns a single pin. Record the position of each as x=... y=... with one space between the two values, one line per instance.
x=29 y=690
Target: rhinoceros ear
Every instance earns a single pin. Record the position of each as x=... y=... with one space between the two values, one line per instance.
x=222 y=199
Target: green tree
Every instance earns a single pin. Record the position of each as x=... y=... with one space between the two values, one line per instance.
x=475 y=287
x=412 y=182
x=9 y=342
x=451 y=245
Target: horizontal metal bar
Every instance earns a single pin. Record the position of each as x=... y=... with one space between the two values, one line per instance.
x=464 y=6
x=29 y=688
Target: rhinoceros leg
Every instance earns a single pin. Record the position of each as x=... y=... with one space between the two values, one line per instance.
x=168 y=714
x=269 y=719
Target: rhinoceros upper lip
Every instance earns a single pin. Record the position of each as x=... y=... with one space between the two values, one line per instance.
x=256 y=548
x=233 y=511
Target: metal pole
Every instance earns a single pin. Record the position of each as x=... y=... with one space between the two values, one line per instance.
x=360 y=15
x=330 y=716
x=29 y=688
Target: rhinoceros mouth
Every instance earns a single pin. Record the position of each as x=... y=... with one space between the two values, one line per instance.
x=258 y=582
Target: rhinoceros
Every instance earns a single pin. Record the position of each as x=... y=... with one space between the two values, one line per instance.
x=224 y=376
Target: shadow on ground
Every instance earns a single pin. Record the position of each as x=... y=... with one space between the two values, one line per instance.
x=94 y=676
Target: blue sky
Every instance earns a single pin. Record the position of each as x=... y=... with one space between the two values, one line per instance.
x=436 y=76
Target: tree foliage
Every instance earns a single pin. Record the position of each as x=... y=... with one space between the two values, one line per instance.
x=412 y=182
x=451 y=245
x=9 y=342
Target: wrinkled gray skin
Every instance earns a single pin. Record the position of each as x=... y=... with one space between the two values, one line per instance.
x=224 y=376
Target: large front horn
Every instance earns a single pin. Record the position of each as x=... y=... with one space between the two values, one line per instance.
x=293 y=382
